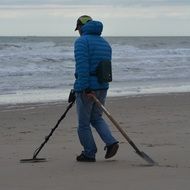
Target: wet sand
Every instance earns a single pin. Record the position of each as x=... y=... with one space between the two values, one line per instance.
x=158 y=124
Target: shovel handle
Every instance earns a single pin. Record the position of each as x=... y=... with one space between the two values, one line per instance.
x=115 y=123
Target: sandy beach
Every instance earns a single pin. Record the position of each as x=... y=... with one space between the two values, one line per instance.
x=158 y=124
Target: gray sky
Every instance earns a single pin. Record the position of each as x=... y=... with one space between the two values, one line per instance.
x=120 y=17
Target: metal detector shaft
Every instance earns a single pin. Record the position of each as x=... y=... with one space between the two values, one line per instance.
x=53 y=129
x=140 y=153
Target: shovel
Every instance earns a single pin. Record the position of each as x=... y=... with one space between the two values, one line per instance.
x=140 y=153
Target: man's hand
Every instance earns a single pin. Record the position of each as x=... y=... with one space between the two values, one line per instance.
x=89 y=93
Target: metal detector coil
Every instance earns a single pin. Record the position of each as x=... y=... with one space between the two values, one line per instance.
x=33 y=160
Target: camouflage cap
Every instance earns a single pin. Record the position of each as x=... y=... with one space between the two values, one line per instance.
x=82 y=20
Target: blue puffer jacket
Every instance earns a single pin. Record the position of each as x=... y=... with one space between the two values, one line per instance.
x=90 y=49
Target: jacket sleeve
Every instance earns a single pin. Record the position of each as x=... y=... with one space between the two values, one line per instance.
x=82 y=70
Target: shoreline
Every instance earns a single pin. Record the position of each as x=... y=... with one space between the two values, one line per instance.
x=65 y=101
x=58 y=95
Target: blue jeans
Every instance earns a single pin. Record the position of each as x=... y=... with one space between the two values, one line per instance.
x=89 y=114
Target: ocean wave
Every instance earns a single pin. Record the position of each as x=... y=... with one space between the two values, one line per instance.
x=34 y=64
x=8 y=46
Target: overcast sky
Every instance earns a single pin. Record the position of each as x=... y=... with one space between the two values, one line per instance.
x=120 y=17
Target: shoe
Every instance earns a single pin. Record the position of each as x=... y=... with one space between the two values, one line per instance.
x=83 y=158
x=111 y=150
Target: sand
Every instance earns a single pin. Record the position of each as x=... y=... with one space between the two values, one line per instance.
x=158 y=124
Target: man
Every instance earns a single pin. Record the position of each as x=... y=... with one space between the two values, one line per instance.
x=90 y=50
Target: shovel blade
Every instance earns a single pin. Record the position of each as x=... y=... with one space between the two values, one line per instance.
x=33 y=160
x=147 y=158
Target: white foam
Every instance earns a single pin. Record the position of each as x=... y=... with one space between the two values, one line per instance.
x=45 y=96
x=35 y=96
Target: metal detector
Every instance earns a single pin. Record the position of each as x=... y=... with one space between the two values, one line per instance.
x=71 y=100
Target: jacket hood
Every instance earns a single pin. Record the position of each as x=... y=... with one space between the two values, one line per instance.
x=92 y=27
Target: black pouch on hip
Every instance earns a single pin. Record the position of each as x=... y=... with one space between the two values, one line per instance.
x=104 y=71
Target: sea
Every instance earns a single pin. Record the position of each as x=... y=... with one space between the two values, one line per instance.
x=41 y=69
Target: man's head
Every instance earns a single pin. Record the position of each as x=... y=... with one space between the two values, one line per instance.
x=82 y=20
